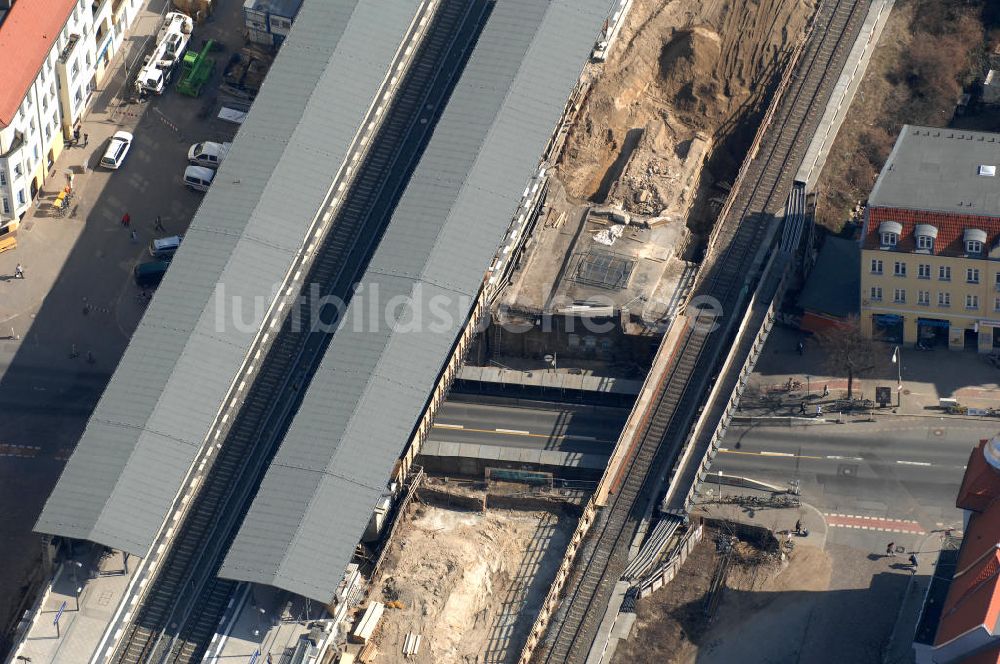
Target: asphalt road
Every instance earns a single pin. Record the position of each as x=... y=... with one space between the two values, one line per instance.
x=897 y=467
x=535 y=425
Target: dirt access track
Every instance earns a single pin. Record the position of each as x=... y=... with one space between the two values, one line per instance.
x=686 y=84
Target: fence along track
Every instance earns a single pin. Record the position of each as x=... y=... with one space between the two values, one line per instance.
x=745 y=234
x=186 y=582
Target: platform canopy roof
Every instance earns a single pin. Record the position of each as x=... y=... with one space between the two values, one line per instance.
x=170 y=385
x=373 y=383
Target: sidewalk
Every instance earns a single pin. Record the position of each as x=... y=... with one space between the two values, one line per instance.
x=927 y=376
x=77 y=608
x=900 y=648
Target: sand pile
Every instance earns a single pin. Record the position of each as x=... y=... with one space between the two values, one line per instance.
x=682 y=69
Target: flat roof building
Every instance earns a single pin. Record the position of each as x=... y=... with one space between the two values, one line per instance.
x=929 y=270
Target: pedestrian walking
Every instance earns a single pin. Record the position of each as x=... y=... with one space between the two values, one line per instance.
x=890 y=549
x=826 y=390
x=802 y=408
x=913 y=561
x=801 y=348
x=819 y=410
x=798 y=525
x=134 y=236
x=18 y=271
x=86 y=139
x=126 y=220
x=158 y=225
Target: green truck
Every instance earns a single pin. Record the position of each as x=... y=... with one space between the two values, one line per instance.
x=196 y=69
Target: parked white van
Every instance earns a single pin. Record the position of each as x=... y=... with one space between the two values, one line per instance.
x=114 y=156
x=165 y=247
x=208 y=153
x=198 y=178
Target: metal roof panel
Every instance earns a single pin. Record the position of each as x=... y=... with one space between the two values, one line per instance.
x=372 y=385
x=170 y=383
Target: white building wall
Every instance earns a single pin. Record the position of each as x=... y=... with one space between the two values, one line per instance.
x=58 y=99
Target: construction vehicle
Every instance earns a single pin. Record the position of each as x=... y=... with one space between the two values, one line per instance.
x=171 y=44
x=197 y=69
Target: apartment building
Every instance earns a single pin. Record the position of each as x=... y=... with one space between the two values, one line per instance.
x=930 y=251
x=54 y=54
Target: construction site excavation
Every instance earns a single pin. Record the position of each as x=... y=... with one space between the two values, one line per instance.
x=658 y=136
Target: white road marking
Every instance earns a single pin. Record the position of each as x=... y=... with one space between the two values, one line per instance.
x=914 y=463
x=836 y=457
x=516 y=432
x=779 y=454
x=448 y=426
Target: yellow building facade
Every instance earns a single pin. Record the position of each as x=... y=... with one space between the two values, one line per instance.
x=930 y=251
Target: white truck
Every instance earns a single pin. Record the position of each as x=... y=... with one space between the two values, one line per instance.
x=208 y=153
x=171 y=42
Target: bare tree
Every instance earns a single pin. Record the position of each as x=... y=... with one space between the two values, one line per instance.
x=848 y=352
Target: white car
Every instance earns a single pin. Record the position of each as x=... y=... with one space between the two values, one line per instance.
x=114 y=156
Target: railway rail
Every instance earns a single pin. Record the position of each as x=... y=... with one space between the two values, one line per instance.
x=186 y=599
x=746 y=232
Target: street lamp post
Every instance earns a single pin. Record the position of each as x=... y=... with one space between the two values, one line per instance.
x=897 y=359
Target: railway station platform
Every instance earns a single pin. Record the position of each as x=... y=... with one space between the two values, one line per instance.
x=72 y=614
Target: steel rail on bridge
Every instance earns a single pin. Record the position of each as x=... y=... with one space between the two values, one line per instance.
x=746 y=232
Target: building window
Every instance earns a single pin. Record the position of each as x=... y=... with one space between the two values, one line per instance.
x=876 y=294
x=971 y=301
x=21 y=200
x=78 y=96
x=998 y=281
x=973 y=247
x=877 y=268
x=996 y=304
x=74 y=68
x=3 y=177
x=48 y=133
x=6 y=205
x=889 y=239
x=944 y=299
x=924 y=271
x=925 y=242
x=972 y=275
x=924 y=297
x=17 y=171
x=45 y=104
x=899 y=297
x=944 y=272
x=899 y=269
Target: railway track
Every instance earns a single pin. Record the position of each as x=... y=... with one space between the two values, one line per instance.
x=185 y=601
x=746 y=231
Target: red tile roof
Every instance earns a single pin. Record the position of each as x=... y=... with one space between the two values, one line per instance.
x=981 y=483
x=974 y=596
x=950 y=229
x=26 y=36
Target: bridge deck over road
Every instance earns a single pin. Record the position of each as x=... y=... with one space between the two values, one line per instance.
x=744 y=235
